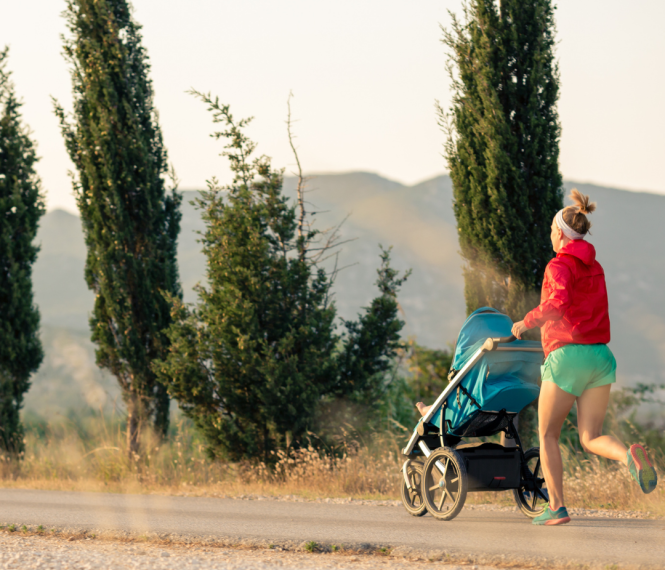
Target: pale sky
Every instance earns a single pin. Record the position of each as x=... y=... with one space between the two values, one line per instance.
x=365 y=75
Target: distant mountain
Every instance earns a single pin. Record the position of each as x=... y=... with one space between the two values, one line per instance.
x=418 y=221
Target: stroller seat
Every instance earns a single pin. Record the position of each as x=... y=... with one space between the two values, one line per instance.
x=487 y=381
x=499 y=381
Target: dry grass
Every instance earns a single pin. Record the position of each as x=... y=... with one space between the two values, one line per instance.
x=591 y=482
x=92 y=457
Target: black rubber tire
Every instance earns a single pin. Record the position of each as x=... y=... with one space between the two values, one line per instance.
x=532 y=497
x=412 y=499
x=436 y=491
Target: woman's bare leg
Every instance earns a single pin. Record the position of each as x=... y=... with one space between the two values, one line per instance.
x=553 y=407
x=591 y=409
x=422 y=408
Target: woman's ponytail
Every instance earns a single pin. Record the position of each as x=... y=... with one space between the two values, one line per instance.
x=575 y=215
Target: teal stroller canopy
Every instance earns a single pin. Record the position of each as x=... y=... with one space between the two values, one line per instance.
x=500 y=380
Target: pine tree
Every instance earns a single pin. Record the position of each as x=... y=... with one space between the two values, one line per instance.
x=369 y=391
x=21 y=207
x=253 y=361
x=503 y=148
x=130 y=221
x=372 y=341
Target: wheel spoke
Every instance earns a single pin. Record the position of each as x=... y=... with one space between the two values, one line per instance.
x=451 y=497
x=537 y=469
x=534 y=502
x=434 y=488
x=540 y=492
x=443 y=500
x=455 y=480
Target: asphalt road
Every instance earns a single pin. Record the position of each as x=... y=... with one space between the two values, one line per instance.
x=591 y=541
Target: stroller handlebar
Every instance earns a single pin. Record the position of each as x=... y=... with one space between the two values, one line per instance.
x=493 y=343
x=505 y=339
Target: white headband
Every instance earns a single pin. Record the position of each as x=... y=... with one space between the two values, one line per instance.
x=569 y=232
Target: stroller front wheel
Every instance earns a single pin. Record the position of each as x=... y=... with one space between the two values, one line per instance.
x=444 y=484
x=412 y=498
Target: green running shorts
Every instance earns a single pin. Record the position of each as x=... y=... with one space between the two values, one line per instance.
x=578 y=367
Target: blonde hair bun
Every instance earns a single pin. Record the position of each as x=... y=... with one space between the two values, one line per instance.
x=582 y=202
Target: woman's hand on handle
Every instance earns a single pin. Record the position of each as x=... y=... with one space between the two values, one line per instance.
x=519 y=328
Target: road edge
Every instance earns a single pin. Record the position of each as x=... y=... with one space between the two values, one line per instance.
x=447 y=557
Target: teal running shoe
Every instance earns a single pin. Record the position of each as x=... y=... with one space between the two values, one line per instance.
x=550 y=517
x=641 y=468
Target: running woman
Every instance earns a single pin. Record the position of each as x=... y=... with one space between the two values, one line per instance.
x=575 y=329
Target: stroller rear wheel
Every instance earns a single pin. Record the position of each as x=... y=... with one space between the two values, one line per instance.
x=412 y=498
x=444 y=484
x=532 y=496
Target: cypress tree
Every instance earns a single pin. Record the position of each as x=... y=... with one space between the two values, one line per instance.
x=252 y=363
x=130 y=220
x=503 y=148
x=21 y=206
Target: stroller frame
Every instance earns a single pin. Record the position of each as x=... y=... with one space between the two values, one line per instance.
x=473 y=465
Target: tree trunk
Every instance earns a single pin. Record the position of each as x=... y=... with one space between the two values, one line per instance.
x=265 y=444
x=133 y=427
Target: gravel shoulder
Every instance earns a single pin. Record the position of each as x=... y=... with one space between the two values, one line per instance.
x=54 y=553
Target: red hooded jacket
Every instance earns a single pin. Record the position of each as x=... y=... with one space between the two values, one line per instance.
x=573 y=303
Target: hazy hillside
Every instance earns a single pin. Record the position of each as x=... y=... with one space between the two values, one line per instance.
x=418 y=221
x=68 y=380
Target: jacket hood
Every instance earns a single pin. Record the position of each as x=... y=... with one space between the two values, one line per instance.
x=581 y=249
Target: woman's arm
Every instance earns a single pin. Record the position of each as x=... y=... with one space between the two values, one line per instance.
x=560 y=279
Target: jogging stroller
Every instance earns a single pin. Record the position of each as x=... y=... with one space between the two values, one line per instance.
x=493 y=377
